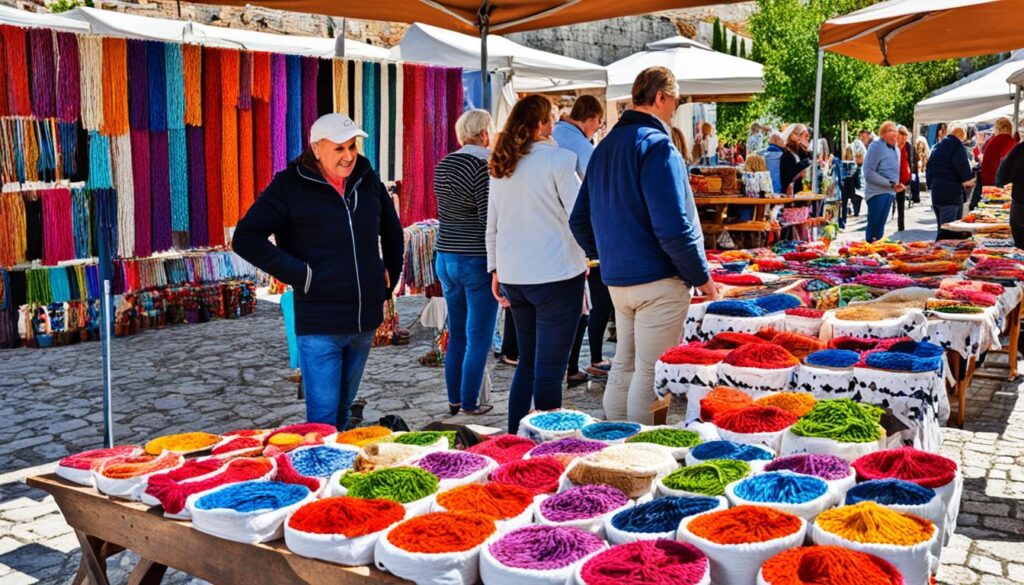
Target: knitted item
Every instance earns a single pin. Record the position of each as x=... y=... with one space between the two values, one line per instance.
x=721 y=400
x=349 y=517
x=253 y=496
x=497 y=501
x=827 y=467
x=647 y=562
x=729 y=450
x=538 y=475
x=708 y=478
x=582 y=502
x=452 y=464
x=890 y=492
x=744 y=525
x=544 y=548
x=871 y=523
x=182 y=443
x=610 y=431
x=690 y=354
x=399 y=484
x=842 y=420
x=761 y=355
x=662 y=515
x=667 y=437
x=781 y=488
x=828 y=565
x=832 y=358
x=755 y=419
x=503 y=448
x=795 y=403
x=441 y=532
x=920 y=467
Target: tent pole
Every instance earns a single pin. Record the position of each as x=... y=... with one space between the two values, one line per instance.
x=1016 y=110
x=105 y=335
x=339 y=41
x=485 y=77
x=817 y=120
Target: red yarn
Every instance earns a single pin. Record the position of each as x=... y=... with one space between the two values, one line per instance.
x=321 y=429
x=246 y=171
x=286 y=473
x=347 y=516
x=722 y=399
x=172 y=491
x=862 y=344
x=734 y=279
x=251 y=445
x=263 y=157
x=801 y=256
x=646 y=562
x=504 y=448
x=806 y=312
x=693 y=354
x=798 y=344
x=768 y=333
x=537 y=474
x=16 y=61
x=212 y=138
x=828 y=565
x=755 y=419
x=732 y=340
x=761 y=355
x=906 y=463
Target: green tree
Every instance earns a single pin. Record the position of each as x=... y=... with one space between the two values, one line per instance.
x=743 y=49
x=716 y=36
x=65 y=5
x=734 y=47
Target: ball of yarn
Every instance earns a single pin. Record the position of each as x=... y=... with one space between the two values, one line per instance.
x=399 y=484
x=363 y=435
x=744 y=525
x=538 y=475
x=761 y=356
x=907 y=463
x=544 y=548
x=497 y=501
x=182 y=443
x=729 y=450
x=795 y=403
x=675 y=438
x=692 y=355
x=842 y=420
x=735 y=308
x=832 y=358
x=909 y=356
x=755 y=419
x=426 y=438
x=722 y=399
x=777 y=302
x=798 y=344
x=567 y=446
x=321 y=461
x=253 y=496
x=732 y=340
x=582 y=502
x=559 y=420
x=350 y=517
x=452 y=464
x=828 y=565
x=781 y=487
x=127 y=467
x=662 y=514
x=86 y=459
x=610 y=431
x=708 y=478
x=871 y=523
x=890 y=492
x=646 y=562
x=806 y=312
x=827 y=467
x=503 y=448
x=441 y=532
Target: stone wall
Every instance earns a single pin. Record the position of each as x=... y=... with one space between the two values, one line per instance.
x=601 y=42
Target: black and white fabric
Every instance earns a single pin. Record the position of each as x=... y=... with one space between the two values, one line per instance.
x=911 y=324
x=461 y=183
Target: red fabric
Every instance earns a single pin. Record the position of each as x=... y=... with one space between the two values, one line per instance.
x=212 y=136
x=905 y=164
x=338 y=184
x=994 y=152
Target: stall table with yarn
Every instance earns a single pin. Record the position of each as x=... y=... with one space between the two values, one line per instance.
x=759 y=223
x=975 y=227
x=105 y=526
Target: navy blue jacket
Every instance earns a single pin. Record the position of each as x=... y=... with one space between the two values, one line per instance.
x=328 y=247
x=947 y=169
x=635 y=210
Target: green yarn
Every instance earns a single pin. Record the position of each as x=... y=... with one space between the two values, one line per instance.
x=959 y=309
x=842 y=420
x=708 y=478
x=667 y=437
x=425 y=438
x=398 y=484
x=849 y=293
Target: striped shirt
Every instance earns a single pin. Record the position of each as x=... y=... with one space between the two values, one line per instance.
x=461 y=184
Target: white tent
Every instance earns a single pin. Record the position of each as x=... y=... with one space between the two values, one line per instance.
x=16 y=17
x=700 y=71
x=530 y=69
x=120 y=24
x=972 y=96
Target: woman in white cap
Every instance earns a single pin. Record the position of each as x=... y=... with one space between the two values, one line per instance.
x=332 y=220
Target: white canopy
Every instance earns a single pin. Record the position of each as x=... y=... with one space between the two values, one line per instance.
x=1018 y=77
x=973 y=95
x=24 y=18
x=699 y=70
x=120 y=24
x=531 y=69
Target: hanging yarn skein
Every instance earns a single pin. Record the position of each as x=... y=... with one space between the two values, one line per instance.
x=115 y=86
x=58 y=233
x=229 y=167
x=19 y=102
x=124 y=184
x=43 y=71
x=212 y=145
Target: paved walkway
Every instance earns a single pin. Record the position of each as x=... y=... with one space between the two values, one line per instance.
x=231 y=374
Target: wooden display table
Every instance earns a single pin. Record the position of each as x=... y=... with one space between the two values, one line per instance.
x=758 y=224
x=106 y=526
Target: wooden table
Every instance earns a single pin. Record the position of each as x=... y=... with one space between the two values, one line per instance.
x=759 y=223
x=106 y=526
x=964 y=370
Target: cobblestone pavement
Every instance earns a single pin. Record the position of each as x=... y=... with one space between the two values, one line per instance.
x=231 y=374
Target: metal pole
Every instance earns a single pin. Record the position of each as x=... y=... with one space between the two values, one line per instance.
x=106 y=335
x=817 y=120
x=485 y=77
x=339 y=41
x=1016 y=110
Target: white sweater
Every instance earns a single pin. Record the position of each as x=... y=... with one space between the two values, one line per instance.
x=528 y=238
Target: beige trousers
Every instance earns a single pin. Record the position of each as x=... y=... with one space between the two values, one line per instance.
x=649 y=319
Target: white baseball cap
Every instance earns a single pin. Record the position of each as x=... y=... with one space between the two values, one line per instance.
x=337 y=128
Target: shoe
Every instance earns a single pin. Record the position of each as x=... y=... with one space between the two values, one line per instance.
x=597 y=372
x=454 y=407
x=295 y=376
x=509 y=361
x=482 y=409
x=573 y=380
x=356 y=410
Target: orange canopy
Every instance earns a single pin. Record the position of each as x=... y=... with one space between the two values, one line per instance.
x=506 y=16
x=907 y=31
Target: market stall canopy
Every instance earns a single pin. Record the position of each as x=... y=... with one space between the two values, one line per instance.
x=17 y=17
x=218 y=36
x=1017 y=78
x=975 y=95
x=907 y=31
x=530 y=69
x=133 y=26
x=702 y=73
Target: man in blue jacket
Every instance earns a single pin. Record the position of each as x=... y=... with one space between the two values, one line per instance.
x=636 y=212
x=881 y=180
x=949 y=179
x=331 y=219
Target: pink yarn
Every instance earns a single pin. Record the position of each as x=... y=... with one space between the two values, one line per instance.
x=58 y=233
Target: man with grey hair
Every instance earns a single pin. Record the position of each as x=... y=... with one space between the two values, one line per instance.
x=949 y=174
x=881 y=180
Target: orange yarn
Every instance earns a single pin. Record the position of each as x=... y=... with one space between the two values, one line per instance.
x=497 y=501
x=744 y=524
x=363 y=435
x=722 y=399
x=732 y=340
x=795 y=403
x=14 y=238
x=761 y=356
x=261 y=79
x=229 y=135
x=115 y=86
x=799 y=345
x=192 y=60
x=442 y=532
x=129 y=467
x=182 y=443
x=246 y=177
x=870 y=522
x=828 y=565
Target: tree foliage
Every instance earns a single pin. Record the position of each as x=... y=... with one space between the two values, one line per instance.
x=734 y=46
x=716 y=35
x=65 y=5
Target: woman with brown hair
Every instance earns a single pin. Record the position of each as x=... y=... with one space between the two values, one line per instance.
x=538 y=268
x=796 y=159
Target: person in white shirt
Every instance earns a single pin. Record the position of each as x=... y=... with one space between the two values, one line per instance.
x=705 y=148
x=538 y=268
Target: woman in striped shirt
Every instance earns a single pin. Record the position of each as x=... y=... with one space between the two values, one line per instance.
x=461 y=184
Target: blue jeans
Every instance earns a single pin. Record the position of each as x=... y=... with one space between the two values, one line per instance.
x=332 y=366
x=878 y=213
x=947 y=214
x=472 y=311
x=546 y=317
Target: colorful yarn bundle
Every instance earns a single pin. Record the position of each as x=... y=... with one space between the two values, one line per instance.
x=452 y=464
x=667 y=437
x=755 y=419
x=806 y=312
x=692 y=354
x=729 y=450
x=708 y=478
x=88 y=459
x=842 y=420
x=115 y=86
x=780 y=487
x=182 y=443
x=870 y=523
x=567 y=449
x=559 y=420
x=349 y=517
x=58 y=234
x=544 y=548
x=828 y=565
x=890 y=492
x=581 y=503
x=761 y=356
x=41 y=46
x=744 y=525
x=497 y=501
x=925 y=469
x=735 y=308
x=631 y=468
x=363 y=435
x=795 y=403
x=798 y=345
x=775 y=303
x=827 y=467
x=538 y=475
x=662 y=515
x=732 y=340
x=610 y=431
x=503 y=448
x=426 y=438
x=383 y=454
x=253 y=496
x=173 y=488
x=721 y=400
x=243 y=446
x=833 y=358
x=321 y=460
x=132 y=466
x=399 y=484
x=441 y=532
x=320 y=429
x=885 y=280
x=648 y=562
x=68 y=77
x=908 y=356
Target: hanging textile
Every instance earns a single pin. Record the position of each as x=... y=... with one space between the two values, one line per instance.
x=68 y=136
x=44 y=73
x=309 y=94
x=138 y=85
x=416 y=120
x=386 y=136
x=16 y=59
x=229 y=136
x=263 y=161
x=279 y=113
x=261 y=79
x=294 y=113
x=198 y=228
x=179 y=182
x=357 y=102
x=160 y=190
x=143 y=199
x=244 y=80
x=370 y=96
x=13 y=229
x=80 y=205
x=175 y=84
x=3 y=94
x=115 y=86
x=453 y=99
x=324 y=86
x=100 y=176
x=68 y=77
x=246 y=178
x=212 y=145
x=44 y=132
x=104 y=213
x=58 y=234
x=33 y=227
x=192 y=70
x=124 y=185
x=90 y=56
x=350 y=92
x=340 y=86
x=399 y=125
x=156 y=75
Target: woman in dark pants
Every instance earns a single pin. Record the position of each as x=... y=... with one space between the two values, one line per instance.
x=1011 y=171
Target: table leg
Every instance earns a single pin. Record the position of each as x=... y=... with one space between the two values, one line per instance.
x=147 y=572
x=93 y=566
x=1011 y=355
x=961 y=390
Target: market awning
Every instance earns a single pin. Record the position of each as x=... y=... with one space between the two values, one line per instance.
x=17 y=17
x=219 y=36
x=972 y=96
x=702 y=73
x=133 y=26
x=530 y=69
x=907 y=31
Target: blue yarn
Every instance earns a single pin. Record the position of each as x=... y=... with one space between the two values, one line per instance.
x=80 y=222
x=729 y=450
x=178 y=154
x=156 y=74
x=735 y=308
x=610 y=431
x=777 y=302
x=92 y=280
x=559 y=420
x=321 y=461
x=253 y=496
x=890 y=492
x=833 y=358
x=100 y=176
x=68 y=148
x=908 y=356
x=60 y=288
x=293 y=119
x=175 y=87
x=46 y=165
x=663 y=514
x=781 y=487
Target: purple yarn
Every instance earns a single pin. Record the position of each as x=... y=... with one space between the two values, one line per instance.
x=568 y=446
x=544 y=548
x=278 y=112
x=582 y=502
x=160 y=190
x=244 y=80
x=138 y=85
x=197 y=187
x=452 y=464
x=827 y=467
x=143 y=199
x=44 y=73
x=310 y=66
x=68 y=80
